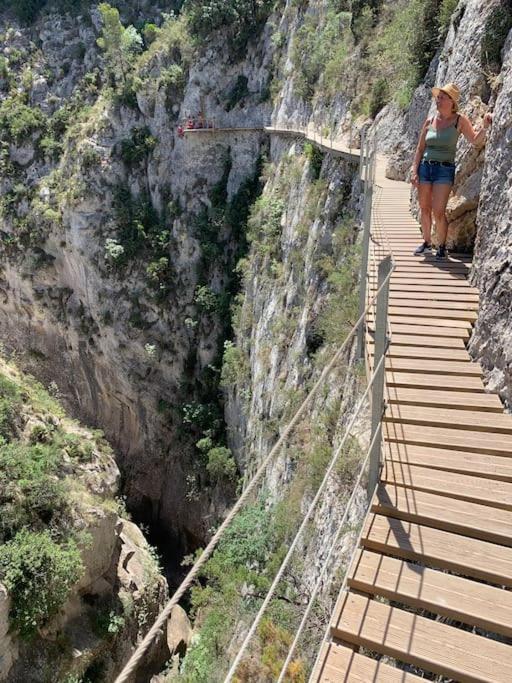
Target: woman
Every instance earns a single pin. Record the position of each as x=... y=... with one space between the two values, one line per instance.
x=433 y=170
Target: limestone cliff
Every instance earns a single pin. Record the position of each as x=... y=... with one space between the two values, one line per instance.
x=183 y=292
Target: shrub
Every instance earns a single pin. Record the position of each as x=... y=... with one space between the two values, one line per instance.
x=379 y=96
x=18 y=120
x=27 y=10
x=149 y=33
x=241 y=19
x=9 y=407
x=221 y=464
x=264 y=225
x=27 y=472
x=39 y=574
x=497 y=27
x=315 y=157
x=137 y=147
x=446 y=11
x=206 y=299
x=234 y=365
x=402 y=50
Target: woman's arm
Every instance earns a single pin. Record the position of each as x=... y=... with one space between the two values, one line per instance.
x=471 y=135
x=420 y=148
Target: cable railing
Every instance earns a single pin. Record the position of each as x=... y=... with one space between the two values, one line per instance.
x=376 y=303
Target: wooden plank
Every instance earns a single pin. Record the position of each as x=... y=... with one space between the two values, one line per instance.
x=428 y=295
x=339 y=664
x=454 y=597
x=440 y=267
x=415 y=285
x=443 y=382
x=405 y=351
x=466 y=556
x=426 y=330
x=496 y=423
x=435 y=276
x=457 y=516
x=455 y=485
x=454 y=328
x=442 y=437
x=435 y=313
x=435 y=367
x=463 y=400
x=427 y=342
x=428 y=644
x=476 y=464
x=419 y=303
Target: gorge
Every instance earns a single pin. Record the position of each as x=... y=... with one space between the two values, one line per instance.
x=182 y=293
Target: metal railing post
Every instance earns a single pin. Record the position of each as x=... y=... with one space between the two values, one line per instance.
x=361 y=155
x=379 y=351
x=367 y=162
x=365 y=248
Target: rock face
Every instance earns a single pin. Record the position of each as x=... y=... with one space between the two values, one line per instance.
x=492 y=340
x=8 y=646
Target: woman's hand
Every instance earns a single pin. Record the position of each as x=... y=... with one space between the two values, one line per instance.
x=487 y=120
x=415 y=181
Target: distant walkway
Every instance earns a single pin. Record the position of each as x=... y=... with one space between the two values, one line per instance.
x=336 y=146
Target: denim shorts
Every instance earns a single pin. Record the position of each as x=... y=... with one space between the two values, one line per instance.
x=436 y=174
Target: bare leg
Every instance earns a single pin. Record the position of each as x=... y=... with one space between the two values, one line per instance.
x=440 y=195
x=425 y=200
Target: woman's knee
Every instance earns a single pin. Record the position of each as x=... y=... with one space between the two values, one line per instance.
x=439 y=214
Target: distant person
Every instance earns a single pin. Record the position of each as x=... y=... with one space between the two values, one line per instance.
x=190 y=124
x=433 y=169
x=181 y=132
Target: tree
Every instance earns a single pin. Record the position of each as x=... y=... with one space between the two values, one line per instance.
x=119 y=44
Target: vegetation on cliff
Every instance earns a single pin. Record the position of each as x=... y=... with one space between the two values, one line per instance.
x=42 y=458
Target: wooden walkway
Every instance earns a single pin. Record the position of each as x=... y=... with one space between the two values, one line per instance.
x=429 y=589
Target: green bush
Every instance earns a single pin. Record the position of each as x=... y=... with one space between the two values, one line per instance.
x=446 y=11
x=496 y=31
x=221 y=464
x=18 y=120
x=39 y=574
x=10 y=402
x=264 y=225
x=137 y=148
x=315 y=157
x=30 y=493
x=401 y=51
x=240 y=19
x=206 y=299
x=234 y=365
x=379 y=96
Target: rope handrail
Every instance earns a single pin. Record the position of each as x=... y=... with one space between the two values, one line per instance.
x=293 y=545
x=155 y=630
x=325 y=564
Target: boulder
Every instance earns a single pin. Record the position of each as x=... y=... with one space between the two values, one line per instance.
x=179 y=631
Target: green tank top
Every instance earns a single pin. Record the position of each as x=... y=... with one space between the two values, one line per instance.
x=440 y=145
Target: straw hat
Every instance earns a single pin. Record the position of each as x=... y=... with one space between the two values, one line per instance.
x=450 y=89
